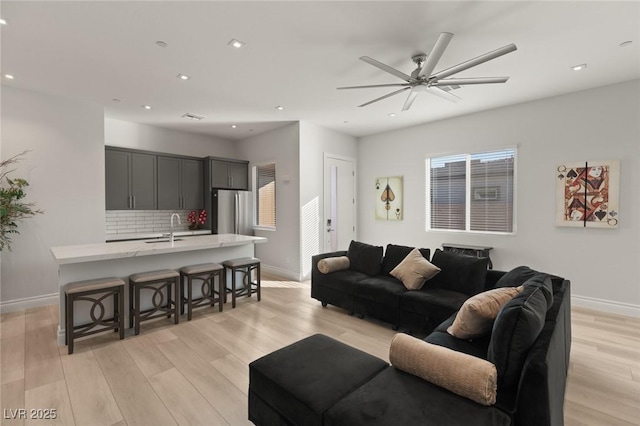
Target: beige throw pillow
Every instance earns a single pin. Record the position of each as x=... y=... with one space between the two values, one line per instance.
x=333 y=264
x=414 y=270
x=462 y=374
x=475 y=317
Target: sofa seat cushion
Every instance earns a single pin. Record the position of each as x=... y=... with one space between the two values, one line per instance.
x=476 y=347
x=301 y=381
x=459 y=272
x=394 y=397
x=343 y=281
x=365 y=258
x=437 y=304
x=395 y=254
x=381 y=289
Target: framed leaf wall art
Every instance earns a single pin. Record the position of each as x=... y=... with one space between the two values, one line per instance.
x=388 y=198
x=587 y=194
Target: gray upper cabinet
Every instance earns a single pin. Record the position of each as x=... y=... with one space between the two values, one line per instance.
x=130 y=180
x=169 y=195
x=192 y=184
x=117 y=179
x=229 y=174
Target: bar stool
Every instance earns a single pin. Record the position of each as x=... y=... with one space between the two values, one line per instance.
x=155 y=281
x=246 y=265
x=83 y=290
x=206 y=272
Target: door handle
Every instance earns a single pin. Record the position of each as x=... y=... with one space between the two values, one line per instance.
x=330 y=229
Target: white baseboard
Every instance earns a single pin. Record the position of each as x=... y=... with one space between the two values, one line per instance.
x=29 y=302
x=284 y=273
x=609 y=306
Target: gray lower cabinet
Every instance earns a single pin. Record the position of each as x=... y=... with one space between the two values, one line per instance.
x=229 y=174
x=180 y=183
x=130 y=180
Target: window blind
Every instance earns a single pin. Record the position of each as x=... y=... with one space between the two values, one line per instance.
x=266 y=195
x=448 y=192
x=472 y=192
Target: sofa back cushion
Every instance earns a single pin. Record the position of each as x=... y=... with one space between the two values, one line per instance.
x=365 y=258
x=395 y=254
x=516 y=328
x=516 y=276
x=459 y=272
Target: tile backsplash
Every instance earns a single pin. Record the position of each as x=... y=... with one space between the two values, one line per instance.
x=141 y=221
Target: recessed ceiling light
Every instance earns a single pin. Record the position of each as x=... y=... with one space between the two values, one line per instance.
x=191 y=116
x=8 y=76
x=236 y=43
x=146 y=106
x=279 y=108
x=233 y=126
x=3 y=22
x=625 y=43
x=183 y=77
x=393 y=114
x=579 y=67
x=161 y=43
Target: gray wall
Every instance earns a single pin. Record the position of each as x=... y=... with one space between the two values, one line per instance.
x=598 y=124
x=65 y=169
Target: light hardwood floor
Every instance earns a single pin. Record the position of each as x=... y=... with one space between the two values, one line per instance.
x=195 y=373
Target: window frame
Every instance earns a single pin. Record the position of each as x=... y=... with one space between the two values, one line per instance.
x=256 y=195
x=469 y=191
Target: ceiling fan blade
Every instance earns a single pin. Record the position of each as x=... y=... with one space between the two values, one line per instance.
x=388 y=69
x=436 y=53
x=385 y=96
x=463 y=81
x=441 y=93
x=410 y=99
x=373 y=85
x=475 y=61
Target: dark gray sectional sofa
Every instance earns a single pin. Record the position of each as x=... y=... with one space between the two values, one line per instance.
x=319 y=381
x=368 y=289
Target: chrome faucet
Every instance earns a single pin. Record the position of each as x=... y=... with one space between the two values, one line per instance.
x=179 y=223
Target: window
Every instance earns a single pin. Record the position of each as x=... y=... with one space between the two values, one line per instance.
x=471 y=192
x=265 y=197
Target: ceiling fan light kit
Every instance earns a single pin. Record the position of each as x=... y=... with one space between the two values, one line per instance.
x=422 y=78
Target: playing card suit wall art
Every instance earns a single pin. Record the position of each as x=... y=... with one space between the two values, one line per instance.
x=388 y=198
x=587 y=194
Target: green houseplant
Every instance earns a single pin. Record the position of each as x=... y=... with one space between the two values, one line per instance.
x=12 y=205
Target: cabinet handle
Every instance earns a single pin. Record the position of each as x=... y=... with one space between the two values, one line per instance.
x=134 y=201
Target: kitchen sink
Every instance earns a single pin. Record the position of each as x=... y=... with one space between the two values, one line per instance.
x=162 y=240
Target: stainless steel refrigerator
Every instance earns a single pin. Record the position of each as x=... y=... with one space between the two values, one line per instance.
x=231 y=212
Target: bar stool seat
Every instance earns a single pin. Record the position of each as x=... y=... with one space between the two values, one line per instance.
x=206 y=272
x=156 y=281
x=89 y=291
x=246 y=265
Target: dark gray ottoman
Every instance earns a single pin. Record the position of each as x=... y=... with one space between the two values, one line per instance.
x=297 y=384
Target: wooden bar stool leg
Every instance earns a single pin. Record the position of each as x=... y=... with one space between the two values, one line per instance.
x=177 y=297
x=233 y=288
x=131 y=301
x=69 y=332
x=222 y=287
x=183 y=277
x=137 y=310
x=189 y=297
x=121 y=312
x=212 y=293
x=259 y=282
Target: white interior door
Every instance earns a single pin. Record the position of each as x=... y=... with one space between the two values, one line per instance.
x=339 y=203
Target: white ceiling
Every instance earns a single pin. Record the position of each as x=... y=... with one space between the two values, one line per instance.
x=297 y=53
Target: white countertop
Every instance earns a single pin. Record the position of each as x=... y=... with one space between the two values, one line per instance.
x=149 y=235
x=116 y=250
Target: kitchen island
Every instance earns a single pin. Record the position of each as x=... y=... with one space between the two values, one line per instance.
x=121 y=259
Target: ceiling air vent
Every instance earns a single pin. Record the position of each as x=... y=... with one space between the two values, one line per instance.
x=192 y=116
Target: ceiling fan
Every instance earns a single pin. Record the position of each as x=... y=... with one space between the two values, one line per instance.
x=421 y=79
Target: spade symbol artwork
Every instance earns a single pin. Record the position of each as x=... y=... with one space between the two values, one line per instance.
x=388 y=198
